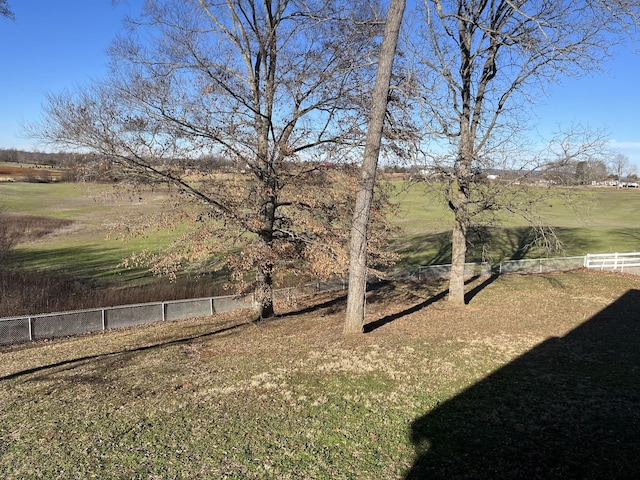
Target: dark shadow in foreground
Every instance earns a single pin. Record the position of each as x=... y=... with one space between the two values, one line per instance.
x=568 y=408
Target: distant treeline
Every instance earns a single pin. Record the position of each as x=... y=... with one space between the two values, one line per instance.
x=68 y=159
x=93 y=167
x=38 y=158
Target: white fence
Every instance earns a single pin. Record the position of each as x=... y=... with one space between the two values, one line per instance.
x=27 y=328
x=538 y=265
x=612 y=261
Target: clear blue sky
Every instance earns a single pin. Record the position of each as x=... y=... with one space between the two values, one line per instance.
x=53 y=46
x=49 y=47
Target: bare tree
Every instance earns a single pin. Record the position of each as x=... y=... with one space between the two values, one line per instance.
x=5 y=11
x=277 y=87
x=589 y=171
x=620 y=167
x=358 y=251
x=480 y=64
x=574 y=156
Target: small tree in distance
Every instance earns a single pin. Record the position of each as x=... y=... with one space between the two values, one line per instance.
x=621 y=168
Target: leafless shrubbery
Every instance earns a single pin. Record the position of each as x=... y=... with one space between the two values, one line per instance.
x=8 y=238
x=24 y=292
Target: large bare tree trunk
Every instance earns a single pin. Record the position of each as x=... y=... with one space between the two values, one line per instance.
x=264 y=292
x=458 y=254
x=358 y=250
x=459 y=203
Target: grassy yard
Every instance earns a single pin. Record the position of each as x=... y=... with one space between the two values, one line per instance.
x=602 y=220
x=595 y=220
x=537 y=377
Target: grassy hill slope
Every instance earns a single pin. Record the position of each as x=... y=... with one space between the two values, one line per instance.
x=537 y=378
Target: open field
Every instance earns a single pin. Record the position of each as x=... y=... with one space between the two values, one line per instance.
x=67 y=261
x=76 y=258
x=605 y=220
x=598 y=220
x=82 y=248
x=537 y=377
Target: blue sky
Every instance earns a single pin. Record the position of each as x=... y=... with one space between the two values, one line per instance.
x=49 y=47
x=53 y=46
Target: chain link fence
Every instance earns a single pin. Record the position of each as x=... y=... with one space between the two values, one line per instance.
x=63 y=324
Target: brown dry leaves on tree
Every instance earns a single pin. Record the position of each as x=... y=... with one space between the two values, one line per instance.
x=310 y=232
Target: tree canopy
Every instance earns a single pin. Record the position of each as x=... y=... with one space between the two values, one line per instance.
x=277 y=87
x=478 y=66
x=5 y=10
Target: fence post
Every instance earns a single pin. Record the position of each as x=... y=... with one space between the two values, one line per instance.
x=30 y=330
x=102 y=319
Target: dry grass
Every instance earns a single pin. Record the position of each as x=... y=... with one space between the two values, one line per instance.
x=220 y=397
x=28 y=228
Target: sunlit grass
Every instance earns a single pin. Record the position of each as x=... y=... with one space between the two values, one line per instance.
x=221 y=397
x=86 y=248
x=596 y=220
x=586 y=220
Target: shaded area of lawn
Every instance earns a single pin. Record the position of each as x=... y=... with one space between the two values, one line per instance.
x=569 y=408
x=514 y=243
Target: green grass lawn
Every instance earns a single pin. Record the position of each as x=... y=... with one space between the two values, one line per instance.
x=536 y=378
x=601 y=220
x=593 y=220
x=85 y=248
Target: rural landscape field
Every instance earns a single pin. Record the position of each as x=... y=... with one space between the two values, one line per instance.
x=71 y=245
x=314 y=162
x=536 y=377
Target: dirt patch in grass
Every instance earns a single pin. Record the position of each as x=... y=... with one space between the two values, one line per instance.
x=429 y=392
x=29 y=174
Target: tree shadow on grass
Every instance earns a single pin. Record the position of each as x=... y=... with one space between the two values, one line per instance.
x=339 y=303
x=478 y=288
x=568 y=408
x=371 y=326
x=73 y=362
x=80 y=260
x=330 y=306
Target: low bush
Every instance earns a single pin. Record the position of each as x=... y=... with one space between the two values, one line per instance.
x=26 y=292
